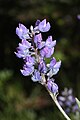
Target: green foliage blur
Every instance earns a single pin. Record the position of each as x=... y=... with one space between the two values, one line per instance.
x=20 y=98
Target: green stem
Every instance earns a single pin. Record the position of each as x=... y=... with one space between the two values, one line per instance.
x=58 y=105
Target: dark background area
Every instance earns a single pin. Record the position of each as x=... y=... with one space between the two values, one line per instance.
x=20 y=98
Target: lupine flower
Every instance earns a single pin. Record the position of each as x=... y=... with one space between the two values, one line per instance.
x=27 y=70
x=33 y=50
x=43 y=26
x=75 y=108
x=49 y=43
x=29 y=61
x=78 y=16
x=68 y=102
x=25 y=44
x=38 y=38
x=37 y=22
x=53 y=67
x=47 y=52
x=48 y=48
x=23 y=49
x=42 y=66
x=22 y=53
x=38 y=41
x=40 y=45
x=22 y=32
x=36 y=76
x=52 y=86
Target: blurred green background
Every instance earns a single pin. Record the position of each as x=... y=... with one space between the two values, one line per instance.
x=20 y=98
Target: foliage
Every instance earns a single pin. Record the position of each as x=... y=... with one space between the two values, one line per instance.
x=78 y=102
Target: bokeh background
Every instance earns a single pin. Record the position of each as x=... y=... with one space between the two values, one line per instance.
x=20 y=98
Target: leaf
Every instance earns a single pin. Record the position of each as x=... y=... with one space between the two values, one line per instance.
x=78 y=102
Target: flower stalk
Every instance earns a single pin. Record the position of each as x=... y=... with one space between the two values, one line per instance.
x=58 y=105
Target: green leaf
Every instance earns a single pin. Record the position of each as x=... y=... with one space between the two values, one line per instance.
x=78 y=102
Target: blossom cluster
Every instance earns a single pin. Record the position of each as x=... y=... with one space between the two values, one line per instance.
x=34 y=51
x=68 y=102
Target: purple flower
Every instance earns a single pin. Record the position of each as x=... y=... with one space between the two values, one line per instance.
x=42 y=67
x=52 y=86
x=49 y=43
x=23 y=49
x=38 y=38
x=34 y=53
x=67 y=110
x=25 y=44
x=22 y=53
x=47 y=52
x=38 y=41
x=66 y=92
x=61 y=98
x=40 y=45
x=52 y=62
x=36 y=76
x=22 y=32
x=43 y=26
x=71 y=98
x=78 y=16
x=68 y=102
x=37 y=22
x=27 y=70
x=29 y=61
x=75 y=108
x=36 y=30
x=53 y=67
